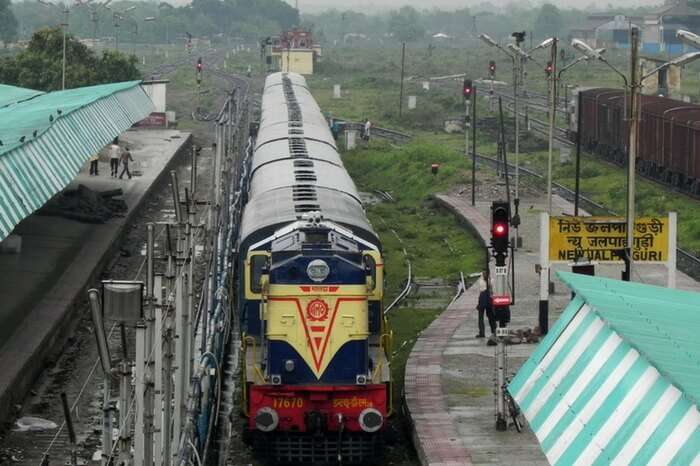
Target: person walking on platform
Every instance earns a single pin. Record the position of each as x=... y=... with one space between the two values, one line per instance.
x=115 y=153
x=94 y=159
x=484 y=305
x=125 y=159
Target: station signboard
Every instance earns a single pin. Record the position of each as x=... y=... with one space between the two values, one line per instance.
x=600 y=238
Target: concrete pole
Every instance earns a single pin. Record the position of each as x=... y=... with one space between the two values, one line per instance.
x=501 y=421
x=552 y=113
x=544 y=273
x=139 y=390
x=124 y=428
x=106 y=419
x=150 y=342
x=517 y=65
x=631 y=168
x=180 y=324
x=218 y=164
x=467 y=105
x=403 y=67
x=158 y=372
x=66 y=12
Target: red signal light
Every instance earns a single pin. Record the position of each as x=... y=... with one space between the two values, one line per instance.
x=500 y=229
x=467 y=88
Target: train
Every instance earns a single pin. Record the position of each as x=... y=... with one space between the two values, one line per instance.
x=316 y=346
x=669 y=135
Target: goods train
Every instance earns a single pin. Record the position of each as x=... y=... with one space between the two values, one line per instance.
x=316 y=346
x=669 y=135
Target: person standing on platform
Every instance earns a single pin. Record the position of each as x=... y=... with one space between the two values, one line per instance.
x=485 y=306
x=367 y=130
x=125 y=159
x=115 y=153
x=94 y=159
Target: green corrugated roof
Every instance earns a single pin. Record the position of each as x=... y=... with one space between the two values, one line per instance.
x=661 y=323
x=615 y=381
x=47 y=139
x=23 y=118
x=11 y=94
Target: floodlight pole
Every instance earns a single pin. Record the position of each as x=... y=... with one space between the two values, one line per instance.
x=552 y=113
x=517 y=67
x=635 y=82
x=66 y=12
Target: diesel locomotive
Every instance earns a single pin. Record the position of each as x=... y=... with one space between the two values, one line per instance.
x=316 y=378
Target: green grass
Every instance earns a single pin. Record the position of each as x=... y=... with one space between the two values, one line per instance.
x=422 y=226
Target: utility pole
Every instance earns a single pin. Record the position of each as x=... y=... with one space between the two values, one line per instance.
x=552 y=113
x=64 y=26
x=403 y=64
x=115 y=17
x=631 y=169
x=474 y=145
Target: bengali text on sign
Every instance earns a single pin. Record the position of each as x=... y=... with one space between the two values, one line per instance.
x=601 y=238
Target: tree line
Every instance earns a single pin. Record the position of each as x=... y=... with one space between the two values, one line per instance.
x=250 y=19
x=39 y=65
x=410 y=24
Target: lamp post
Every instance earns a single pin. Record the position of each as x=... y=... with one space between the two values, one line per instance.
x=518 y=56
x=94 y=10
x=634 y=83
x=117 y=16
x=516 y=71
x=64 y=26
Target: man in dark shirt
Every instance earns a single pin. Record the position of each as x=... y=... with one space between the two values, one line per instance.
x=125 y=159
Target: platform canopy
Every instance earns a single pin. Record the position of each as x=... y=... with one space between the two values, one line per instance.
x=11 y=94
x=45 y=138
x=617 y=379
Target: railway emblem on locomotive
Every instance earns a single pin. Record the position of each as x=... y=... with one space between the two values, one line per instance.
x=317 y=310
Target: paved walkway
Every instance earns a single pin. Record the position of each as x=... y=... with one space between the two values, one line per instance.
x=59 y=258
x=450 y=374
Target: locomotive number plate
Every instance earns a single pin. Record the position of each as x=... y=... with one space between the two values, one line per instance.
x=278 y=403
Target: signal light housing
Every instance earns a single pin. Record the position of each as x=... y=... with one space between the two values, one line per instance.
x=467 y=89
x=548 y=69
x=492 y=68
x=500 y=221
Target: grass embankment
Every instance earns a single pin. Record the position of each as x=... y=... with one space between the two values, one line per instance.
x=437 y=245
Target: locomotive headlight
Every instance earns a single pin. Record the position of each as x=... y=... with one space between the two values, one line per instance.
x=318 y=270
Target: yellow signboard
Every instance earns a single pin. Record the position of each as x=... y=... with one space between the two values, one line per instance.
x=598 y=239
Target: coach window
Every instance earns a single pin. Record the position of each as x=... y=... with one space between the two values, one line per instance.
x=257 y=266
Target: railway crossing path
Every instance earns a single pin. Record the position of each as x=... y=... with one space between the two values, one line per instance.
x=450 y=374
x=59 y=257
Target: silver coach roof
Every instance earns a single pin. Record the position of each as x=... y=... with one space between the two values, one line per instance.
x=275 y=79
x=282 y=131
x=266 y=213
x=287 y=182
x=284 y=174
x=278 y=150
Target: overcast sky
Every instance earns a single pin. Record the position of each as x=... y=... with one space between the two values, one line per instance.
x=313 y=6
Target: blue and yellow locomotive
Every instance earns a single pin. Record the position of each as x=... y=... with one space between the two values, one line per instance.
x=317 y=384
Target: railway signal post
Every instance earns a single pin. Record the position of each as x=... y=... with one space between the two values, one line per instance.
x=501 y=299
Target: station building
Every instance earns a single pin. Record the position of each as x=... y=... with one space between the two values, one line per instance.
x=292 y=51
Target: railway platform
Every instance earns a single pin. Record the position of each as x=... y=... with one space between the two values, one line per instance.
x=450 y=374
x=43 y=284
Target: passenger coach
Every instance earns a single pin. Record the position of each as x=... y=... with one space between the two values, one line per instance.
x=316 y=345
